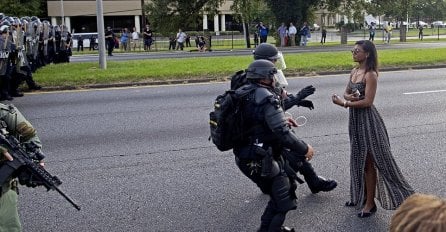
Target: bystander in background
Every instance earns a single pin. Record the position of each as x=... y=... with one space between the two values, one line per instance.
x=420 y=213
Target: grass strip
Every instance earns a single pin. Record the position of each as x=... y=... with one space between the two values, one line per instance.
x=82 y=74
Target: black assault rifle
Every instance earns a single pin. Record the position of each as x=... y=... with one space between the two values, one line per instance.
x=25 y=164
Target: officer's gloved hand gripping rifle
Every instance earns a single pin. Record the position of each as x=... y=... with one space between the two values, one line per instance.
x=25 y=165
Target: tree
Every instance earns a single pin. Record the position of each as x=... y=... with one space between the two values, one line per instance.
x=23 y=8
x=166 y=16
x=249 y=12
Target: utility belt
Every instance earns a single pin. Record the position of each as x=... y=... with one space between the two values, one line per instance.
x=263 y=160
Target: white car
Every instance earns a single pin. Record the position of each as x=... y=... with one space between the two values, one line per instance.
x=315 y=27
x=438 y=24
x=421 y=23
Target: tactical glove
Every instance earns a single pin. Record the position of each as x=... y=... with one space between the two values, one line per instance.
x=306 y=103
x=305 y=92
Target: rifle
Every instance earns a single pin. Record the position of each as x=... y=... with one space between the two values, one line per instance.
x=25 y=161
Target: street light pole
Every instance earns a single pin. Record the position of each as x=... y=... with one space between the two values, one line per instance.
x=62 y=12
x=101 y=36
x=143 y=15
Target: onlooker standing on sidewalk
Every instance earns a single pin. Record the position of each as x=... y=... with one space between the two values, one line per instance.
x=172 y=42
x=188 y=41
x=181 y=38
x=372 y=29
x=324 y=35
x=124 y=39
x=292 y=31
x=283 y=33
x=147 y=36
x=256 y=39
x=388 y=33
x=304 y=32
x=420 y=32
x=263 y=32
x=135 y=39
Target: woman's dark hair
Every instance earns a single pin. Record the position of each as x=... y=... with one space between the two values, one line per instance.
x=371 y=62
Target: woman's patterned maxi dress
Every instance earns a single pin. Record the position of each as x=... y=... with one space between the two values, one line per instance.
x=368 y=135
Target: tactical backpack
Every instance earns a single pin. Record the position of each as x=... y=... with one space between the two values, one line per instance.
x=226 y=122
x=238 y=80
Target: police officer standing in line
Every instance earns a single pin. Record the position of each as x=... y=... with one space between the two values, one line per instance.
x=110 y=41
x=298 y=164
x=268 y=135
x=19 y=127
x=5 y=61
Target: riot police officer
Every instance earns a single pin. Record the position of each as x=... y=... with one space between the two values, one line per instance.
x=5 y=61
x=260 y=153
x=315 y=183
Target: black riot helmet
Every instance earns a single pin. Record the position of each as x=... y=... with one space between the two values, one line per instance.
x=4 y=26
x=266 y=51
x=4 y=29
x=261 y=69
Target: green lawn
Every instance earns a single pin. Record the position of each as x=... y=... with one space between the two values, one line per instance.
x=79 y=74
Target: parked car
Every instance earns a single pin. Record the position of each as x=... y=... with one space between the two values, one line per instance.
x=315 y=27
x=416 y=23
x=438 y=24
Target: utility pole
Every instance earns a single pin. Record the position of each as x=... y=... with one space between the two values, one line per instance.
x=101 y=36
x=62 y=12
x=143 y=14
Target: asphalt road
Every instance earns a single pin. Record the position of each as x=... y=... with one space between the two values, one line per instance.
x=139 y=159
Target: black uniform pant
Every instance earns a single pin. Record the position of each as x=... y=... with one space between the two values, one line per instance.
x=110 y=46
x=280 y=188
x=299 y=164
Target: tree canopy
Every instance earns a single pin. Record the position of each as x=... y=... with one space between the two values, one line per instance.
x=20 y=8
x=166 y=16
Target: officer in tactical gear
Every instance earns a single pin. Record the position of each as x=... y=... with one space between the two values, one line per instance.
x=6 y=48
x=298 y=164
x=17 y=125
x=260 y=152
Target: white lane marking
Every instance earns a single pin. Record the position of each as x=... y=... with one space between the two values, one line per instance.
x=422 y=92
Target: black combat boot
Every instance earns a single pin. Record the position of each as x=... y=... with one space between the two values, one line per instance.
x=316 y=183
x=324 y=185
x=16 y=93
x=32 y=84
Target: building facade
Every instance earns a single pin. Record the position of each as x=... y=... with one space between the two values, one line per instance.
x=80 y=16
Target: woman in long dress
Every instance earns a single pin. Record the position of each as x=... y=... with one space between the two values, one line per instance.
x=373 y=170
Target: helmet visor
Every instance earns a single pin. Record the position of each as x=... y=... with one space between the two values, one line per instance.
x=280 y=80
x=280 y=61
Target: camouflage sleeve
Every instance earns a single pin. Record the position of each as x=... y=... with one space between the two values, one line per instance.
x=17 y=125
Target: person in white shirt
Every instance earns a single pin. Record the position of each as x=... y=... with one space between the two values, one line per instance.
x=135 y=39
x=181 y=38
x=292 y=31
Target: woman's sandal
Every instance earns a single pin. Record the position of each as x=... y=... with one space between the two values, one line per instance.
x=363 y=214
x=349 y=204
